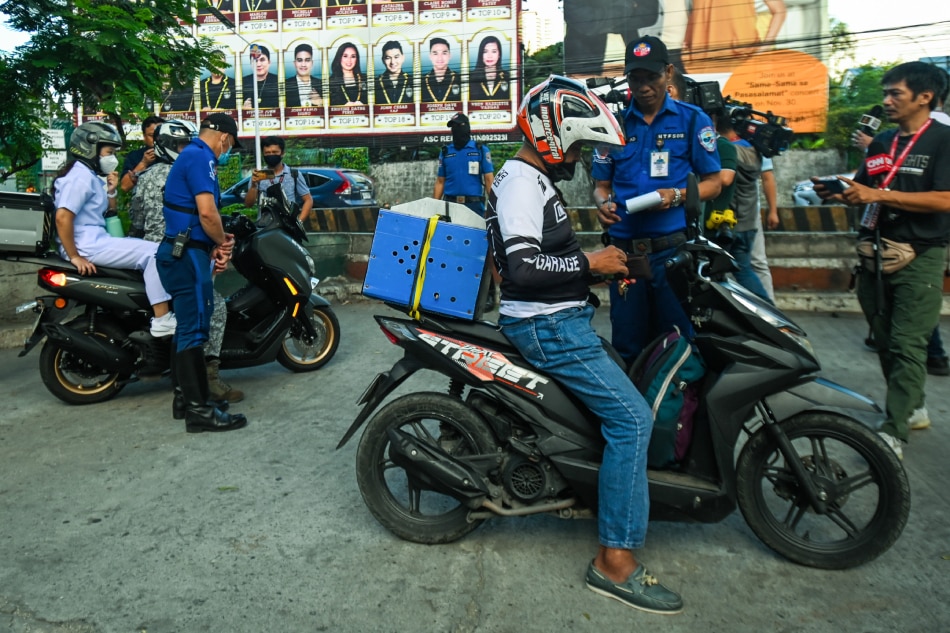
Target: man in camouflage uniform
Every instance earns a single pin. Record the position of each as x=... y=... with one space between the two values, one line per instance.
x=169 y=139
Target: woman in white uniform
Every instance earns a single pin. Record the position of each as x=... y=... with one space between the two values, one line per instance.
x=81 y=202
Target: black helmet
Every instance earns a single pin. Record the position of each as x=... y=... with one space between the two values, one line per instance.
x=88 y=138
x=171 y=137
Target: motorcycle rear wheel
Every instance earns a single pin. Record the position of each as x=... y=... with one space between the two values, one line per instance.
x=74 y=380
x=413 y=514
x=298 y=356
x=864 y=485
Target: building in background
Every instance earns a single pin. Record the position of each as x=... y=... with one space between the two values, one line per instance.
x=542 y=24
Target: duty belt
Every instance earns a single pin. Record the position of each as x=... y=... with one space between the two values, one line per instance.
x=647 y=245
x=464 y=199
x=204 y=246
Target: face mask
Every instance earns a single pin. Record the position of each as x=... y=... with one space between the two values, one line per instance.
x=561 y=171
x=461 y=135
x=108 y=164
x=225 y=157
x=272 y=160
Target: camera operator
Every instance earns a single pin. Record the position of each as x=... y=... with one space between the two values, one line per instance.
x=907 y=213
x=667 y=140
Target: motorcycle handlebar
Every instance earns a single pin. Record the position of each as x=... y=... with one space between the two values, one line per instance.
x=683 y=257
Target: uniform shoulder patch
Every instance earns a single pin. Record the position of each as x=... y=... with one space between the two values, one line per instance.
x=707 y=138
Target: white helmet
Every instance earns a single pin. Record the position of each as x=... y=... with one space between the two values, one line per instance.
x=560 y=113
x=171 y=137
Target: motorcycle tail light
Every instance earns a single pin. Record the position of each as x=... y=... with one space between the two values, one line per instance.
x=53 y=277
x=392 y=337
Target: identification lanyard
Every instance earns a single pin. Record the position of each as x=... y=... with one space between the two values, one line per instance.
x=900 y=161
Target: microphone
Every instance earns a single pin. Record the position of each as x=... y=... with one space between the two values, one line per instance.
x=877 y=165
x=870 y=122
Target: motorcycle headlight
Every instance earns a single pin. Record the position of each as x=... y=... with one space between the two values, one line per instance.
x=770 y=315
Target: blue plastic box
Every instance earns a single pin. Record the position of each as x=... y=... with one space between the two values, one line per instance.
x=454 y=273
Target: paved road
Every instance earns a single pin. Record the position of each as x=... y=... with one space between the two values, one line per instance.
x=112 y=518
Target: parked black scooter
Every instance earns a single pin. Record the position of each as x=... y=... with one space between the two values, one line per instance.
x=813 y=480
x=277 y=315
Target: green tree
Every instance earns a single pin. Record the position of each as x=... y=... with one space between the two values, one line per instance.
x=118 y=57
x=542 y=63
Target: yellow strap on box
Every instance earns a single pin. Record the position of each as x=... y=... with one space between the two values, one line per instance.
x=421 y=273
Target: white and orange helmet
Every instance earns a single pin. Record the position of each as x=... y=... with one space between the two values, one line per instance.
x=559 y=113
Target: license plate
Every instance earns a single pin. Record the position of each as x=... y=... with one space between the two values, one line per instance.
x=366 y=195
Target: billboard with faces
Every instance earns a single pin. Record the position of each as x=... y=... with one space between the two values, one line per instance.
x=415 y=87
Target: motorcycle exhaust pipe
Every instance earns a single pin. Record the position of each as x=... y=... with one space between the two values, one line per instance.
x=92 y=349
x=431 y=468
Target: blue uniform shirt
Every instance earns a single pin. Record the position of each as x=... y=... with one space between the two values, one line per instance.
x=682 y=130
x=464 y=169
x=195 y=171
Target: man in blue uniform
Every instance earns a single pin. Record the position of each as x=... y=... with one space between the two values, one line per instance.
x=666 y=140
x=464 y=168
x=194 y=243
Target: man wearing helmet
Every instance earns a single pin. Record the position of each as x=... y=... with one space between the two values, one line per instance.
x=668 y=139
x=171 y=138
x=545 y=314
x=81 y=203
x=194 y=241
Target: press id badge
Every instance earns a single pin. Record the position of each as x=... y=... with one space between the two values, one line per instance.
x=473 y=168
x=659 y=164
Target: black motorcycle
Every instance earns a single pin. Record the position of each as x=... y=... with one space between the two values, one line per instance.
x=90 y=356
x=812 y=479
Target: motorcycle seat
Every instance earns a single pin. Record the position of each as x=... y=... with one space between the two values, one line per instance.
x=52 y=259
x=127 y=274
x=483 y=330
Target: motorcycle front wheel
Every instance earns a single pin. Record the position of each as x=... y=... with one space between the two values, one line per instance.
x=412 y=513
x=74 y=380
x=859 y=478
x=297 y=355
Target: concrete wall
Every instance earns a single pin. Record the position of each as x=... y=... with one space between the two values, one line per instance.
x=405 y=181
x=398 y=182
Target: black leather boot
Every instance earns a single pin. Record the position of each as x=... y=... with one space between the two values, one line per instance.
x=200 y=413
x=178 y=399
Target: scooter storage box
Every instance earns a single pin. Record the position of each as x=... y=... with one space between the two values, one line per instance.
x=21 y=223
x=454 y=272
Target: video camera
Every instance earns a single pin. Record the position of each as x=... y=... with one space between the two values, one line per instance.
x=616 y=93
x=769 y=137
x=767 y=133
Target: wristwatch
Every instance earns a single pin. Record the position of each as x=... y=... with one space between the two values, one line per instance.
x=677 y=197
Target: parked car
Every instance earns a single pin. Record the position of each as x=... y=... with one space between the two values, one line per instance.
x=330 y=187
x=803 y=194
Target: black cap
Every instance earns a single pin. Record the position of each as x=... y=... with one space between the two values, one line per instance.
x=458 y=120
x=648 y=53
x=222 y=123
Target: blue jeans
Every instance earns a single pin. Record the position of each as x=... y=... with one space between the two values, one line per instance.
x=565 y=346
x=648 y=309
x=188 y=280
x=741 y=249
x=935 y=345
